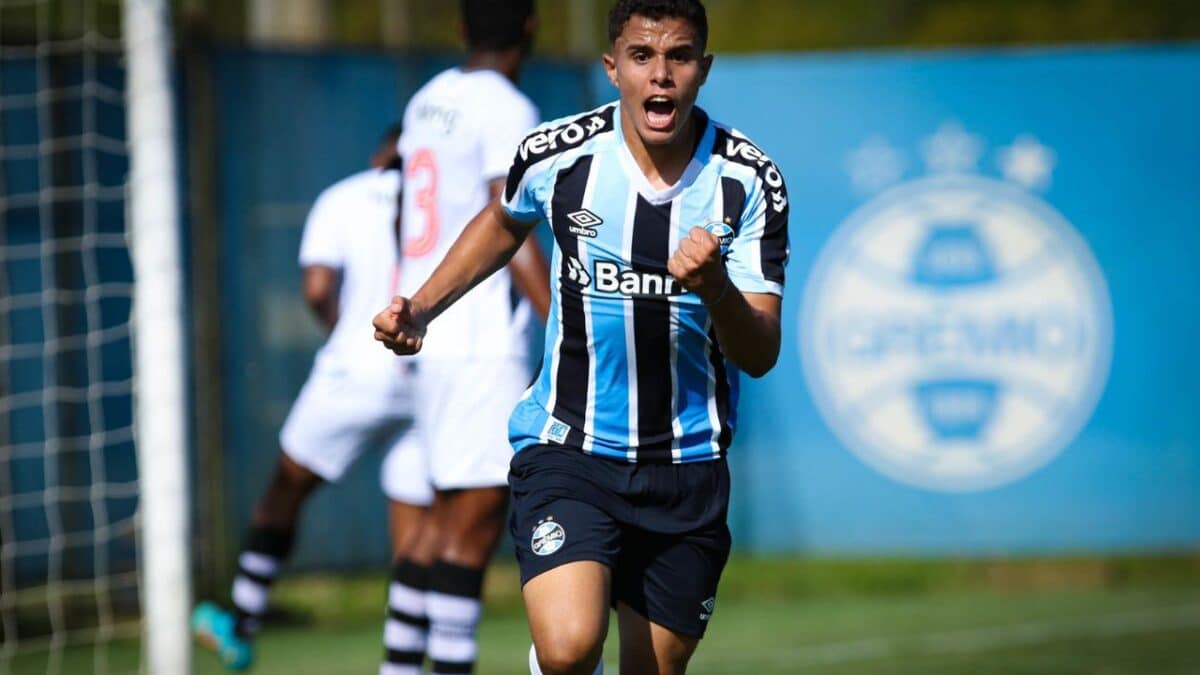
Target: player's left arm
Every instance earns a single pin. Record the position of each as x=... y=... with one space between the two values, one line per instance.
x=743 y=287
x=528 y=266
x=747 y=324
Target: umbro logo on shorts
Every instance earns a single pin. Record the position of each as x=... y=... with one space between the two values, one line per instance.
x=708 y=606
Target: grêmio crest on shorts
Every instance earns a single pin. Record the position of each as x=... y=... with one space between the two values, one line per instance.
x=632 y=367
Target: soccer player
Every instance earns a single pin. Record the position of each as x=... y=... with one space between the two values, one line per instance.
x=459 y=132
x=354 y=400
x=670 y=234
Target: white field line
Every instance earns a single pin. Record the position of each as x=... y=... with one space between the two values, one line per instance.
x=983 y=639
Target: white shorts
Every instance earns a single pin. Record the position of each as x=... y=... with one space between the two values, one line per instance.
x=335 y=420
x=463 y=407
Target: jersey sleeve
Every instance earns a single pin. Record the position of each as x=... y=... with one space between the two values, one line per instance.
x=759 y=251
x=508 y=123
x=322 y=242
x=523 y=198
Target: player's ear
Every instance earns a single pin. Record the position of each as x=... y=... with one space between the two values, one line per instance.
x=706 y=62
x=610 y=67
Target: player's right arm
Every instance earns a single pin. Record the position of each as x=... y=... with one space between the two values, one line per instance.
x=322 y=255
x=488 y=243
x=321 y=284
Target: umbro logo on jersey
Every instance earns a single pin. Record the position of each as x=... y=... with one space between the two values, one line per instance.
x=576 y=273
x=583 y=222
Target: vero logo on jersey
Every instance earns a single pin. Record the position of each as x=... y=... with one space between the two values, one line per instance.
x=583 y=223
x=567 y=135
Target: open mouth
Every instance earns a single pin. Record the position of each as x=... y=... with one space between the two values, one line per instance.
x=660 y=113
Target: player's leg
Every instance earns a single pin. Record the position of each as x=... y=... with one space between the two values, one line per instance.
x=469 y=523
x=406 y=483
x=269 y=541
x=567 y=608
x=322 y=435
x=567 y=547
x=647 y=647
x=464 y=408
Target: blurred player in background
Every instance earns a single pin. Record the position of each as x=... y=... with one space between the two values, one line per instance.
x=460 y=131
x=671 y=240
x=353 y=400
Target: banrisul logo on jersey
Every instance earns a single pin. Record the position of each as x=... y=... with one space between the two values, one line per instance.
x=956 y=330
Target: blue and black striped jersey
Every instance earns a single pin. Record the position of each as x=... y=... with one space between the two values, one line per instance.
x=632 y=367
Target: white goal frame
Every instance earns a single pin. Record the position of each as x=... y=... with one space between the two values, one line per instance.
x=158 y=339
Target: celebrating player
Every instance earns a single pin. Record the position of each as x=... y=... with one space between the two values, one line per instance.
x=352 y=401
x=459 y=132
x=670 y=243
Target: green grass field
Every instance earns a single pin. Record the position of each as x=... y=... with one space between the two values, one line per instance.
x=786 y=616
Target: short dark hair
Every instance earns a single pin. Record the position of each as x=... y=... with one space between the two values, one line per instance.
x=495 y=24
x=691 y=11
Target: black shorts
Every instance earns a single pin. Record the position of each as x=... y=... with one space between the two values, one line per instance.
x=661 y=528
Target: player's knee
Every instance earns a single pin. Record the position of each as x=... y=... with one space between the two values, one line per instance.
x=570 y=651
x=293 y=479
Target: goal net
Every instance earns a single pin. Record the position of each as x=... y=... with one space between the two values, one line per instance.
x=79 y=530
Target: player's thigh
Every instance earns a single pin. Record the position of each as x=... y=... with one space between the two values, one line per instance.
x=567 y=607
x=466 y=421
x=470 y=523
x=647 y=647
x=329 y=426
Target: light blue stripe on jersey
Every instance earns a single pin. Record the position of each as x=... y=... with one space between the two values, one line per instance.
x=611 y=393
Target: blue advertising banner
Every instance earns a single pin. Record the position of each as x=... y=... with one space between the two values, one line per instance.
x=991 y=311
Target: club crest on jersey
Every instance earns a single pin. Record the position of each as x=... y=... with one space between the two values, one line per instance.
x=723 y=232
x=583 y=223
x=548 y=537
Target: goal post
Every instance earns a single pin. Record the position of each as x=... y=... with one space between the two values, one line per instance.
x=159 y=392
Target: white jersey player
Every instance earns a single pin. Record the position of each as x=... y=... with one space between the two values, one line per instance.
x=460 y=133
x=355 y=400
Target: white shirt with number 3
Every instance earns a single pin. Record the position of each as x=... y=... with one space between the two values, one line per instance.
x=461 y=131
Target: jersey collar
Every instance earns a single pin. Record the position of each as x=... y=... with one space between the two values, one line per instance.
x=639 y=180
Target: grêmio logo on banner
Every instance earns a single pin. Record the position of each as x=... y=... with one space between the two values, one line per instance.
x=956 y=331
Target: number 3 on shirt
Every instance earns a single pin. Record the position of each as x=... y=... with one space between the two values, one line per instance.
x=420 y=172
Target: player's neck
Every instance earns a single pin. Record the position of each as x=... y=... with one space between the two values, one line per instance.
x=507 y=62
x=663 y=165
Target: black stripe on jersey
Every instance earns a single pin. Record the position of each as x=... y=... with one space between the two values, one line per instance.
x=545 y=143
x=773 y=248
x=717 y=360
x=652 y=334
x=571 y=379
x=733 y=202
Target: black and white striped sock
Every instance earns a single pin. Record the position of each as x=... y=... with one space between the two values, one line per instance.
x=258 y=565
x=454 y=611
x=406 y=630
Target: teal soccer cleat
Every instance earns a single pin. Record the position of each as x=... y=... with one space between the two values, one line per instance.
x=215 y=628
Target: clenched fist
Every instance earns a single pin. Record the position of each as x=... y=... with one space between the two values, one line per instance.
x=698 y=266
x=399 y=328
